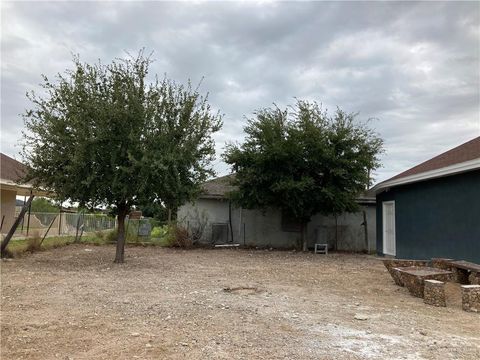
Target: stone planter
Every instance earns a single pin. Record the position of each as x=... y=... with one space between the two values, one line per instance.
x=414 y=277
x=392 y=264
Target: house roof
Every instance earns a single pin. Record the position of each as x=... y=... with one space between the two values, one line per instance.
x=465 y=157
x=11 y=169
x=11 y=174
x=218 y=188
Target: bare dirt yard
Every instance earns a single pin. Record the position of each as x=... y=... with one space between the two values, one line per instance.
x=74 y=303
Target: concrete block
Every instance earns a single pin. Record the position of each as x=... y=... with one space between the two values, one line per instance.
x=471 y=298
x=434 y=293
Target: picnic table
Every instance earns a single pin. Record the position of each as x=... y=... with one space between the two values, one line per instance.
x=413 y=277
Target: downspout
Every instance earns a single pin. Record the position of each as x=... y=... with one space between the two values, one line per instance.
x=230 y=219
x=365 y=229
x=240 y=226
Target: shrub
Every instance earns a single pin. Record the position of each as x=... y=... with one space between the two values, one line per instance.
x=179 y=237
x=160 y=232
x=111 y=236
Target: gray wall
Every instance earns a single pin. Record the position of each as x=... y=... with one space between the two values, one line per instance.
x=263 y=229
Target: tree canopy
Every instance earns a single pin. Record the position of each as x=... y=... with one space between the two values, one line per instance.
x=103 y=134
x=303 y=161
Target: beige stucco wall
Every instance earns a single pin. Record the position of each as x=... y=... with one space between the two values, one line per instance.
x=7 y=209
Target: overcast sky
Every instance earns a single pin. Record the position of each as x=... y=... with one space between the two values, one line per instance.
x=412 y=66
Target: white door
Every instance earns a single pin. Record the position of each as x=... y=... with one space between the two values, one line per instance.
x=389 y=228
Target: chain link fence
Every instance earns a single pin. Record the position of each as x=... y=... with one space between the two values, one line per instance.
x=63 y=224
x=145 y=230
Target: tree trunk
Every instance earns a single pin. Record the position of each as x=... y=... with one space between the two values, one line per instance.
x=122 y=213
x=169 y=215
x=304 y=237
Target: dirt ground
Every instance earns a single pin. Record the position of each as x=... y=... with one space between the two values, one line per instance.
x=74 y=303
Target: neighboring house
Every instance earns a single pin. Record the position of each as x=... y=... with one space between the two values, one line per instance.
x=11 y=172
x=433 y=209
x=216 y=220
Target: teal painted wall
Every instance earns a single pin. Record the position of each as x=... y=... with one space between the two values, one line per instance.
x=435 y=218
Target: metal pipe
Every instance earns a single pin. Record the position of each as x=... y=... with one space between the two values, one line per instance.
x=240 y=223
x=60 y=221
x=230 y=219
x=244 y=234
x=46 y=232
x=29 y=212
x=24 y=201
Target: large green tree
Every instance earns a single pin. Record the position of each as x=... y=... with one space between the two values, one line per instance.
x=303 y=161
x=44 y=205
x=104 y=135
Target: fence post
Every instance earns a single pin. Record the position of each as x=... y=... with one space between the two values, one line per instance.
x=46 y=232
x=60 y=222
x=29 y=212
x=78 y=224
x=83 y=226
x=24 y=202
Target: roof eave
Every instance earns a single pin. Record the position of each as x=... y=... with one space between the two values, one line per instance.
x=427 y=175
x=22 y=189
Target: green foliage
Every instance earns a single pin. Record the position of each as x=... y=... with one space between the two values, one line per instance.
x=303 y=161
x=104 y=136
x=110 y=236
x=159 y=232
x=44 y=205
x=154 y=210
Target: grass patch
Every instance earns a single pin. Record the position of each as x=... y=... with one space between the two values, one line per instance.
x=169 y=236
x=18 y=247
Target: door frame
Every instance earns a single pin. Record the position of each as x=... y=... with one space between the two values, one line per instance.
x=394 y=252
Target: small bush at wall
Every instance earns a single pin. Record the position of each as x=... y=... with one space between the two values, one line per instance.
x=111 y=236
x=34 y=242
x=179 y=237
x=160 y=232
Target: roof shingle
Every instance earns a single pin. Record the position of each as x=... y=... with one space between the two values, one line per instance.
x=11 y=169
x=462 y=153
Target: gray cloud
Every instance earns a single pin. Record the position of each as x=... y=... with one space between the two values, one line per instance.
x=412 y=66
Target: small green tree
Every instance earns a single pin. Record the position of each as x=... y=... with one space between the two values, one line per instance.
x=302 y=161
x=103 y=135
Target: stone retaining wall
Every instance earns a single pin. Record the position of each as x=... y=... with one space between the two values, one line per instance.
x=441 y=263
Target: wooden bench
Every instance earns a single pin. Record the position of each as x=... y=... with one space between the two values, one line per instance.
x=463 y=270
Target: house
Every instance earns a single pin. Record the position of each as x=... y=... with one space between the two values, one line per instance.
x=11 y=173
x=215 y=219
x=433 y=209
